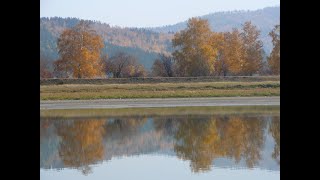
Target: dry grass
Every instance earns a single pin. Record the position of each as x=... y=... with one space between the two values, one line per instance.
x=159 y=90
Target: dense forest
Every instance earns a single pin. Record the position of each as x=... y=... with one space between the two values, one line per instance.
x=146 y=43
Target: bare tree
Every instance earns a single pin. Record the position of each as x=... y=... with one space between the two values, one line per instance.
x=124 y=65
x=164 y=66
x=44 y=68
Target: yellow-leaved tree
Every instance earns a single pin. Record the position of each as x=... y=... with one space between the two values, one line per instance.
x=195 y=54
x=80 y=52
x=253 y=50
x=233 y=52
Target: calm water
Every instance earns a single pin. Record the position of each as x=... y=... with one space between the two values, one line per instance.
x=161 y=147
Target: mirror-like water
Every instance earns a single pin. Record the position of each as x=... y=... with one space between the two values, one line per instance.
x=187 y=146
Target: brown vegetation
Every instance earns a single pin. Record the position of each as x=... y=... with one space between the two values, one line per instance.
x=123 y=66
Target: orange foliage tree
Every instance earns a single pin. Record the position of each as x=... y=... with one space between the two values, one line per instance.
x=233 y=52
x=80 y=49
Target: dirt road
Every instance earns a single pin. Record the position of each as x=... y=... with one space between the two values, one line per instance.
x=167 y=102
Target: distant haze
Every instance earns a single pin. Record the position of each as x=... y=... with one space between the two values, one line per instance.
x=144 y=13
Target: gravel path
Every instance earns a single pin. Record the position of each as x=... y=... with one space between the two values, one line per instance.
x=157 y=102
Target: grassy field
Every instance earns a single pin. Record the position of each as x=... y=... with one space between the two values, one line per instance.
x=131 y=112
x=159 y=90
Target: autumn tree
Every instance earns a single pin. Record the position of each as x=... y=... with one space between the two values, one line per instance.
x=233 y=52
x=124 y=65
x=218 y=45
x=79 y=49
x=274 y=58
x=253 y=50
x=163 y=66
x=194 y=54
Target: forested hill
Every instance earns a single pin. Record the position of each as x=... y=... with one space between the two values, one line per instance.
x=146 y=43
x=142 y=43
x=265 y=19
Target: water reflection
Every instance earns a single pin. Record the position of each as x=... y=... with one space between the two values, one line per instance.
x=81 y=143
x=205 y=140
x=274 y=129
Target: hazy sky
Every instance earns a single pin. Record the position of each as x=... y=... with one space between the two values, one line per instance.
x=144 y=13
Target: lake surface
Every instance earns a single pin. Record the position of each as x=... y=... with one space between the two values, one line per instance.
x=155 y=146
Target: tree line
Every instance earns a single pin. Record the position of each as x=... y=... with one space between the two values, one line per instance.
x=198 y=51
x=202 y=52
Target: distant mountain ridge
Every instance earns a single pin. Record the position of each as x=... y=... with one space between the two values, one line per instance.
x=146 y=43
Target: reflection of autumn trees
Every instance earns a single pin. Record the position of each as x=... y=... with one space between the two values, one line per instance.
x=81 y=143
x=274 y=129
x=243 y=137
x=252 y=138
x=201 y=140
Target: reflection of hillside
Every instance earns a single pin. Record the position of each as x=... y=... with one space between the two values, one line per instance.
x=129 y=137
x=49 y=143
x=225 y=140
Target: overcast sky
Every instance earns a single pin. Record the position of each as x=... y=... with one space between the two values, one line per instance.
x=144 y=13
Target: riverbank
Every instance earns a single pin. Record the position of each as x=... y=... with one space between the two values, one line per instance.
x=160 y=111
